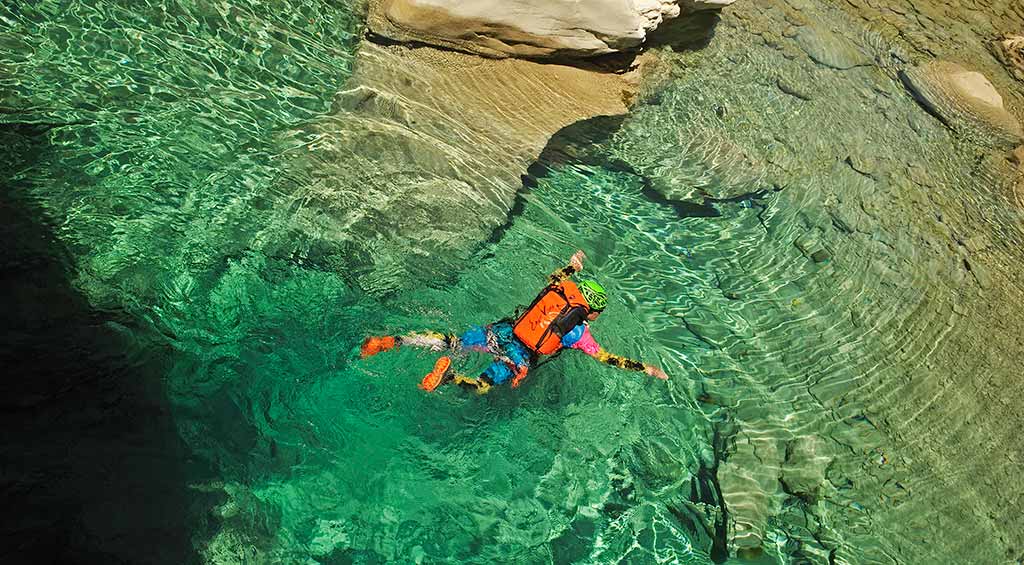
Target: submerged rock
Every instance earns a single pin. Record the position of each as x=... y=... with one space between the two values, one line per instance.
x=529 y=28
x=793 y=89
x=749 y=479
x=1018 y=190
x=1017 y=156
x=1017 y=185
x=830 y=49
x=963 y=100
x=803 y=470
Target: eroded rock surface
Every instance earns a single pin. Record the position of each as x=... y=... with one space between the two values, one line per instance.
x=964 y=100
x=748 y=478
x=1010 y=51
x=528 y=28
x=883 y=472
x=435 y=143
x=830 y=49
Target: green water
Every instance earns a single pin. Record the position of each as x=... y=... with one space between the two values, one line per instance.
x=165 y=175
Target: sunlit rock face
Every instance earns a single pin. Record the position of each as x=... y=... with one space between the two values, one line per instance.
x=529 y=28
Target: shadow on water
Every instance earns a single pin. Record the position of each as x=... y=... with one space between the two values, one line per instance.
x=585 y=143
x=94 y=470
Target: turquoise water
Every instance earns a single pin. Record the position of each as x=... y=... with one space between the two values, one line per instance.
x=748 y=258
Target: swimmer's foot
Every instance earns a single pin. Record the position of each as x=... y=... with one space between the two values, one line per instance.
x=436 y=377
x=374 y=345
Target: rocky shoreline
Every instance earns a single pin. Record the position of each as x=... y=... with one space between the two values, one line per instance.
x=530 y=28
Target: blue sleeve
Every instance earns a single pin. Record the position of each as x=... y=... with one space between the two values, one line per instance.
x=574 y=335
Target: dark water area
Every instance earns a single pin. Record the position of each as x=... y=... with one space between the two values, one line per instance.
x=94 y=469
x=112 y=109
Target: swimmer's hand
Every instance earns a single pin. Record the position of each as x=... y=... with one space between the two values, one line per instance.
x=576 y=261
x=655 y=372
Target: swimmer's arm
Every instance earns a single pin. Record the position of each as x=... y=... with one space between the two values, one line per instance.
x=575 y=265
x=561 y=274
x=627 y=363
x=588 y=345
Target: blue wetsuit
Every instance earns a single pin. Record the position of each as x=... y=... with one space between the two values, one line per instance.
x=504 y=345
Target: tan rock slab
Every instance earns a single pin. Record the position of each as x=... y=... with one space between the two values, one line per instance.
x=1010 y=51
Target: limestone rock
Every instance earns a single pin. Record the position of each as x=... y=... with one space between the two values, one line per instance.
x=749 y=480
x=695 y=5
x=1010 y=51
x=803 y=470
x=793 y=89
x=963 y=100
x=1017 y=186
x=1017 y=156
x=830 y=49
x=528 y=28
x=1018 y=190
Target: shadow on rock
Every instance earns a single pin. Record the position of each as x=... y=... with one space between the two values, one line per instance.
x=690 y=32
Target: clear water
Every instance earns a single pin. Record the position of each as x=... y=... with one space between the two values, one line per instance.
x=165 y=176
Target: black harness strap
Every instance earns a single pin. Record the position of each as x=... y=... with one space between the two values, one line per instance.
x=547 y=359
x=551 y=327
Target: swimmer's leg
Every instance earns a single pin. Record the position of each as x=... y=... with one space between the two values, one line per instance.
x=480 y=384
x=474 y=339
x=442 y=375
x=498 y=372
x=428 y=340
x=439 y=376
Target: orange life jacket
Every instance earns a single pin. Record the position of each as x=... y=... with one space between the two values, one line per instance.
x=557 y=310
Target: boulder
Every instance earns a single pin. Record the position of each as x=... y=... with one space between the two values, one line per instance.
x=1017 y=156
x=803 y=469
x=528 y=28
x=963 y=100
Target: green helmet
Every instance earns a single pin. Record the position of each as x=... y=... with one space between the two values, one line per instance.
x=594 y=294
